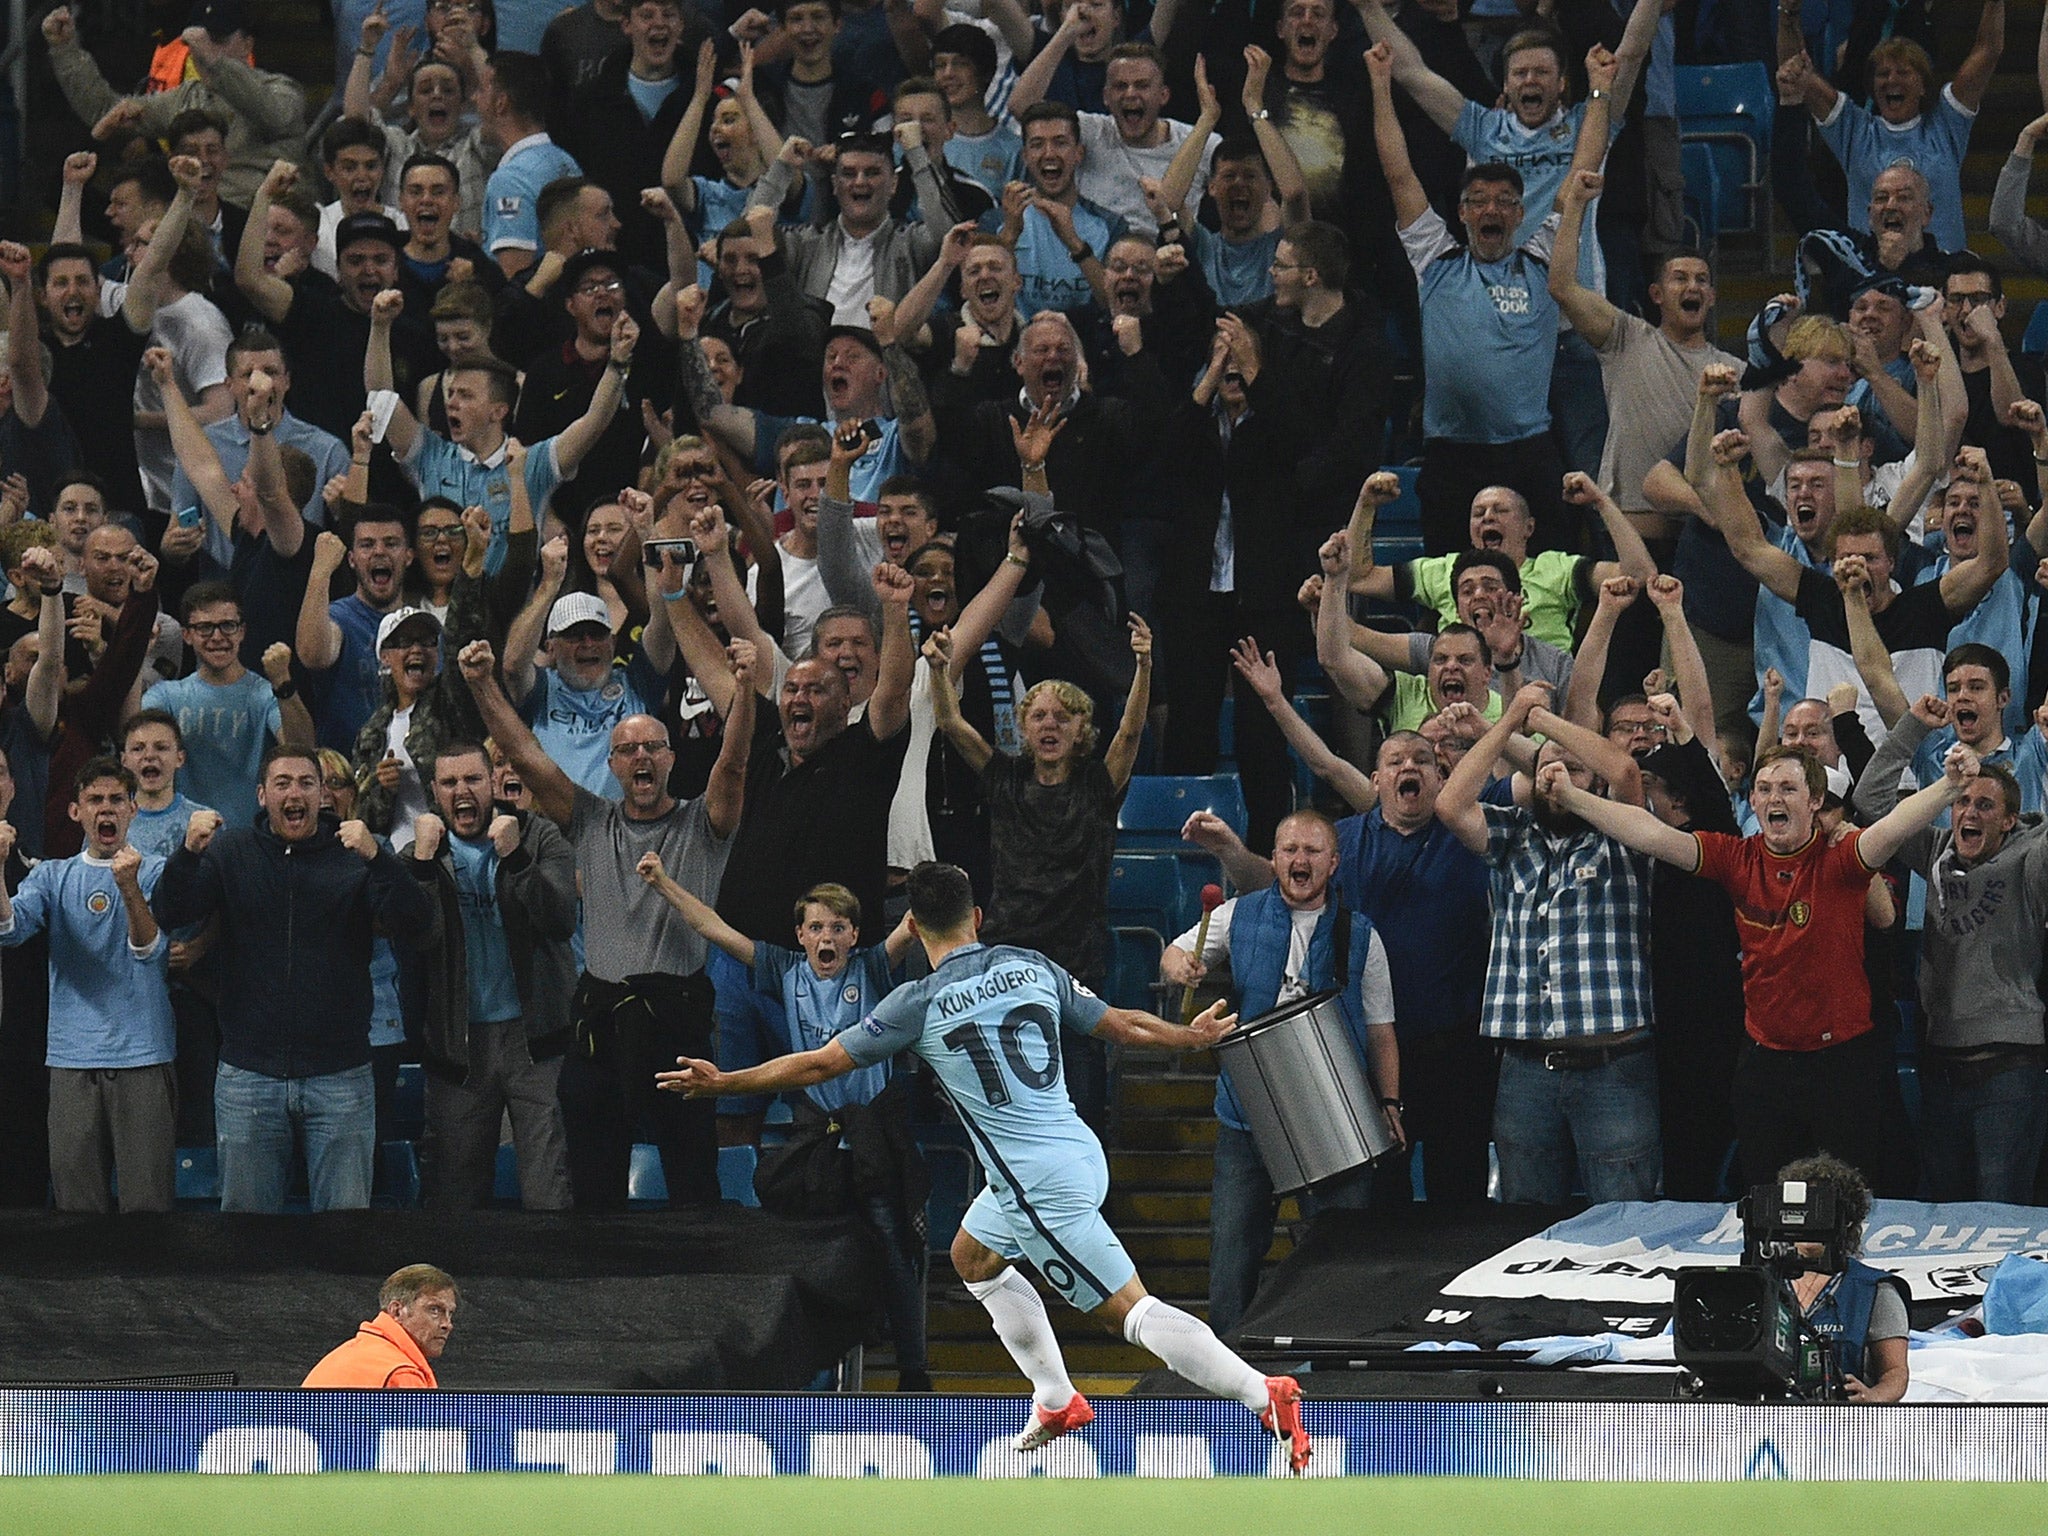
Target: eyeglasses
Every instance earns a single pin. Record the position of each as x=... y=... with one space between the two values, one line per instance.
x=441 y=533
x=586 y=290
x=1479 y=204
x=456 y=7
x=693 y=469
x=1970 y=300
x=639 y=748
x=206 y=631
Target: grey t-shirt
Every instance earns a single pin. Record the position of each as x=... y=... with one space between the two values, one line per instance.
x=1659 y=382
x=628 y=930
x=1542 y=662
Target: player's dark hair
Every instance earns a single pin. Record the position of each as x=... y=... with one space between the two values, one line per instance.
x=941 y=897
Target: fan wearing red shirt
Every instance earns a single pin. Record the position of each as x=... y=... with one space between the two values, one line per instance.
x=1812 y=1076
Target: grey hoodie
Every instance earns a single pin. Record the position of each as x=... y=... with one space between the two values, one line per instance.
x=1982 y=951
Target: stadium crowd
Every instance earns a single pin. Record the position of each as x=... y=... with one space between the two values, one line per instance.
x=512 y=576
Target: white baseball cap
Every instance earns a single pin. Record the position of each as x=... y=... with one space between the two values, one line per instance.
x=575 y=608
x=390 y=624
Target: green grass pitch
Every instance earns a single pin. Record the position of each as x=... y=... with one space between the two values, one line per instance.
x=504 y=1504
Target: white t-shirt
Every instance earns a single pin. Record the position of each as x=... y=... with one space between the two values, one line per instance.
x=853 y=280
x=1375 y=984
x=411 y=801
x=1111 y=168
x=803 y=598
x=196 y=334
x=910 y=823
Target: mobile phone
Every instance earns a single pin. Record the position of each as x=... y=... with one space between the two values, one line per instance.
x=684 y=551
x=871 y=430
x=188 y=517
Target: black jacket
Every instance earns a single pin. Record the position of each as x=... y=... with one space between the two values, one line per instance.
x=294 y=948
x=536 y=890
x=621 y=151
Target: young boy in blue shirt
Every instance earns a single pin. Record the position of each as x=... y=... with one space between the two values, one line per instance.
x=112 y=1038
x=826 y=986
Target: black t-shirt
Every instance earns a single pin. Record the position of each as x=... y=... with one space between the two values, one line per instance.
x=1916 y=620
x=826 y=818
x=2010 y=450
x=94 y=381
x=1051 y=845
x=327 y=341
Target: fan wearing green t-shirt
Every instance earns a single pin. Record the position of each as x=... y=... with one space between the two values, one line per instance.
x=1460 y=668
x=1554 y=584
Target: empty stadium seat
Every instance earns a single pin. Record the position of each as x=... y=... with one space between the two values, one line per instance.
x=646 y=1184
x=1728 y=108
x=736 y=1176
x=408 y=1111
x=398 y=1177
x=1402 y=517
x=505 y=1182
x=197 y=1171
x=1146 y=891
x=1703 y=201
x=2035 y=341
x=1132 y=977
x=1156 y=807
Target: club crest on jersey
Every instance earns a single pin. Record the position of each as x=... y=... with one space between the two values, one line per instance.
x=1801 y=914
x=614 y=691
x=852 y=995
x=99 y=903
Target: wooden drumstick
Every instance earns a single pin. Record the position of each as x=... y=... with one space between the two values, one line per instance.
x=1212 y=898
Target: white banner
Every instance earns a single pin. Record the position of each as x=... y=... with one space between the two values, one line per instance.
x=1626 y=1251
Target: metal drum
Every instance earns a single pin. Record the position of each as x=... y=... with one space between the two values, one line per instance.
x=1312 y=1109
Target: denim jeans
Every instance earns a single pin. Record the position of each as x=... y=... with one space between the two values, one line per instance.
x=1982 y=1142
x=1241 y=1211
x=905 y=1261
x=255 y=1118
x=1599 y=1123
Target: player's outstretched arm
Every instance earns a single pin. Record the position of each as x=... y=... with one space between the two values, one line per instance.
x=702 y=1080
x=1133 y=1026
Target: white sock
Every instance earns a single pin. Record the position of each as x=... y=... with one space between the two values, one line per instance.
x=1026 y=1332
x=1187 y=1344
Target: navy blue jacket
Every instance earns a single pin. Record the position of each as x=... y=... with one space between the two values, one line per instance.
x=296 y=923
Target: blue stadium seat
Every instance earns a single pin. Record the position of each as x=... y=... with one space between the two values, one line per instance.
x=2035 y=342
x=1703 y=204
x=1729 y=109
x=736 y=1176
x=1147 y=890
x=1226 y=731
x=1156 y=807
x=409 y=1102
x=1400 y=518
x=197 y=1171
x=646 y=1184
x=1134 y=967
x=398 y=1177
x=505 y=1182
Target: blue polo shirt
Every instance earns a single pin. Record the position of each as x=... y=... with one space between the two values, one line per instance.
x=439 y=468
x=512 y=195
x=1051 y=279
x=574 y=725
x=1543 y=155
x=1489 y=335
x=883 y=460
x=1426 y=894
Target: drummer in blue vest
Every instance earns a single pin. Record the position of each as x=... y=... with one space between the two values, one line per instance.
x=1284 y=943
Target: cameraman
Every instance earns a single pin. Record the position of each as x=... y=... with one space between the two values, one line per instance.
x=1863 y=1310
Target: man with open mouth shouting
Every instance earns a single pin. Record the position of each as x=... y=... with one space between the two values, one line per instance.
x=1984 y=1096
x=299 y=895
x=644 y=996
x=112 y=1037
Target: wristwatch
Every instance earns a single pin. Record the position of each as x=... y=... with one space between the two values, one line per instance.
x=1263 y=115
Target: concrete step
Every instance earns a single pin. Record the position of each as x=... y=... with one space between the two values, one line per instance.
x=1129 y=1212
x=1166 y=1133
x=1130 y=1171
x=1188 y=1095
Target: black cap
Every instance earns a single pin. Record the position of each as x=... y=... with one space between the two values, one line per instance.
x=219 y=17
x=583 y=261
x=1690 y=773
x=367 y=226
x=859 y=333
